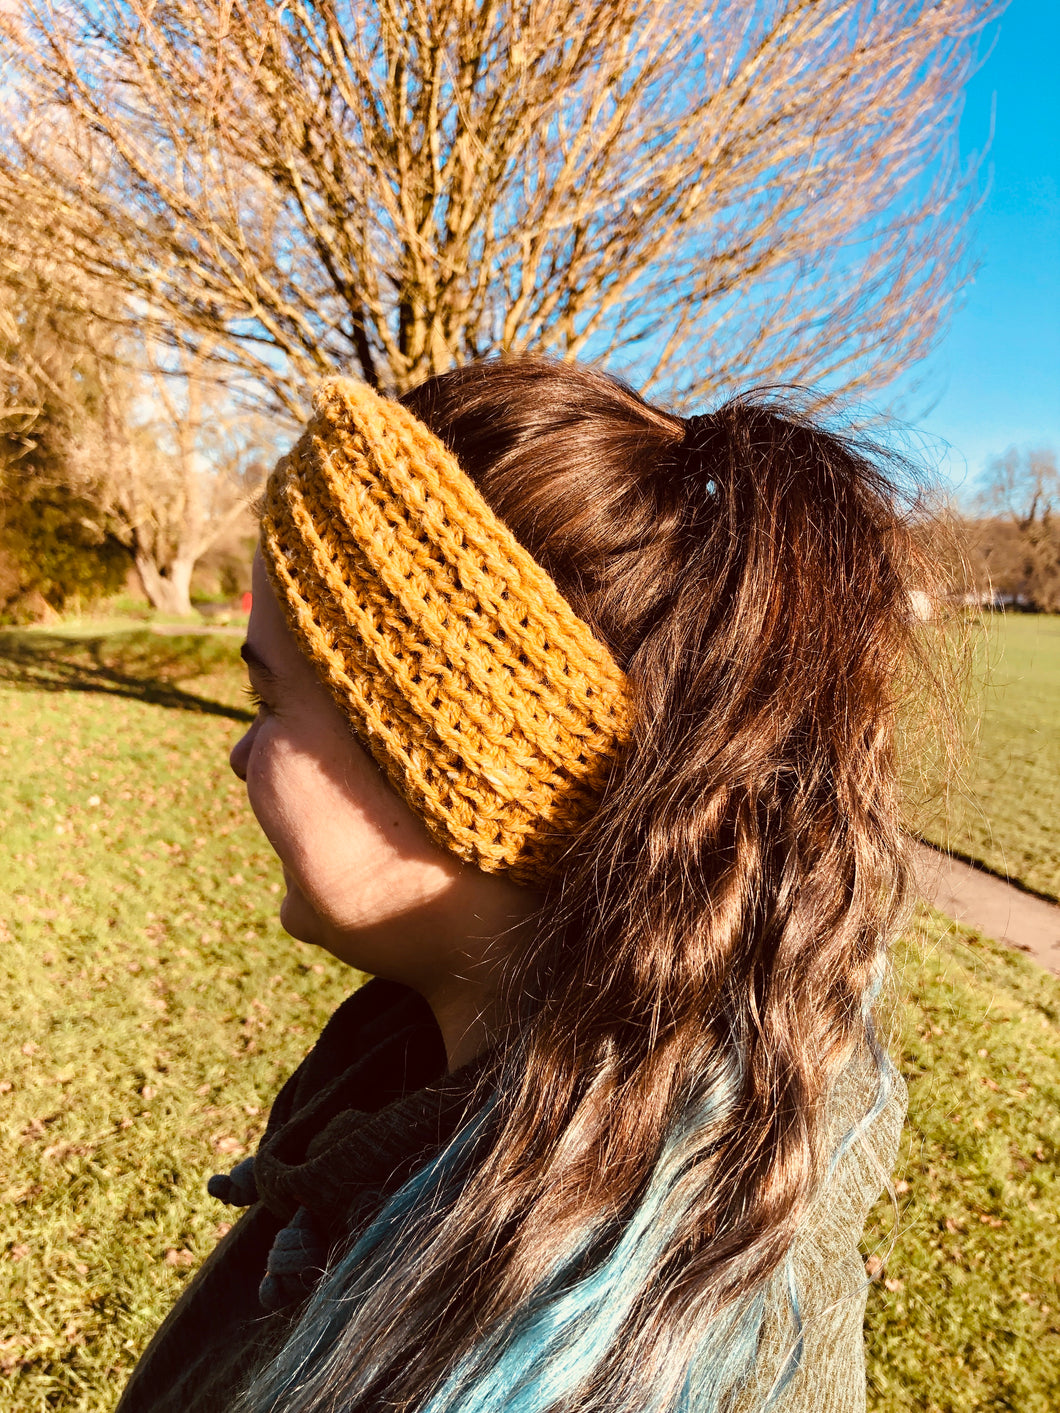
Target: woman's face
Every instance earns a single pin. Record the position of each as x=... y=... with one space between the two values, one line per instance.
x=364 y=878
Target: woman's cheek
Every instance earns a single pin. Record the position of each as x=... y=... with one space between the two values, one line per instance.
x=268 y=795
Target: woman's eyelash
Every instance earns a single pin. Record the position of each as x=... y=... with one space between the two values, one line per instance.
x=255 y=698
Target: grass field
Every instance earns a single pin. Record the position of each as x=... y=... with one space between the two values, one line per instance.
x=1006 y=811
x=966 y=1314
x=152 y=1006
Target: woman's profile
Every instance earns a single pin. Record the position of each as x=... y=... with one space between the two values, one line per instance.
x=576 y=730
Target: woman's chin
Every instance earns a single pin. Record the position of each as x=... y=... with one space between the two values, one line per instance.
x=297 y=918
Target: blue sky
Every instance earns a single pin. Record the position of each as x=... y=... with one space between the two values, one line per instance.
x=994 y=380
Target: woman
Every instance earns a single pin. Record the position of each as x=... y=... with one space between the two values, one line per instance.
x=576 y=730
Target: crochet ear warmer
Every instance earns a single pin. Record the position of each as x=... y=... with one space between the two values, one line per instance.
x=491 y=707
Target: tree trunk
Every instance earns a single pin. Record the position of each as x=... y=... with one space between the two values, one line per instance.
x=169 y=591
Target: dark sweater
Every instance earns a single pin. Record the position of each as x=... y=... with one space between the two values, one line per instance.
x=369 y=1104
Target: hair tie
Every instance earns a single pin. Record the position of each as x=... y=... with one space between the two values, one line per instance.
x=700 y=447
x=491 y=707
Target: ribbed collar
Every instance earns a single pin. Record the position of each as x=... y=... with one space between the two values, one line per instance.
x=368 y=1105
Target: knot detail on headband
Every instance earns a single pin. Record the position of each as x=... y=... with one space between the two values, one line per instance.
x=492 y=708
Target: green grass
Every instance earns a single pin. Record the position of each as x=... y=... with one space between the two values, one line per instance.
x=152 y=1007
x=966 y=1313
x=1006 y=812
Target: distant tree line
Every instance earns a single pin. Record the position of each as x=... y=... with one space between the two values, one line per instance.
x=1013 y=541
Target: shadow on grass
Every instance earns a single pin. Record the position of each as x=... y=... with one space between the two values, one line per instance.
x=141 y=666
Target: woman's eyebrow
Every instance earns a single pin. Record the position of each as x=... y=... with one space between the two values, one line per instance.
x=258 y=663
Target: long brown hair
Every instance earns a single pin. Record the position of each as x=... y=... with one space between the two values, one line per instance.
x=704 y=966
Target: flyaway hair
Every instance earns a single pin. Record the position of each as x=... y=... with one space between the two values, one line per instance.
x=692 y=1063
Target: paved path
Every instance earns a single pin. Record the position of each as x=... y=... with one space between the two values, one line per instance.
x=990 y=905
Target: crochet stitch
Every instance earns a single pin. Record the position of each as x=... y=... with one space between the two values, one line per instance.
x=489 y=704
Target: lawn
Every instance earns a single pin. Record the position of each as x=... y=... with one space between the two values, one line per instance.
x=1005 y=812
x=152 y=1007
x=965 y=1314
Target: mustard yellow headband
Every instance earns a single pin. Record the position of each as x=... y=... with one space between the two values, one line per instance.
x=490 y=706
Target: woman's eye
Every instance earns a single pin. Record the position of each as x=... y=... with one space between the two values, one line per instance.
x=255 y=699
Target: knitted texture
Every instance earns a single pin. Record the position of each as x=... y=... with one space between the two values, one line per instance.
x=489 y=704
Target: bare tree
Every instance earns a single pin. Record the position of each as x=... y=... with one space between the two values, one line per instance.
x=146 y=451
x=707 y=192
x=56 y=539
x=1016 y=541
x=179 y=467
x=39 y=348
